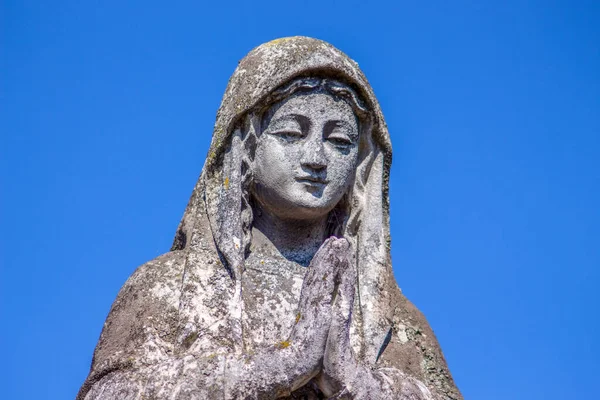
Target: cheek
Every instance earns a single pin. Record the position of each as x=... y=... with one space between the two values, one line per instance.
x=272 y=163
x=341 y=169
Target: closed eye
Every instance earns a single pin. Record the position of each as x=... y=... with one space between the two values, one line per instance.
x=340 y=133
x=288 y=135
x=339 y=141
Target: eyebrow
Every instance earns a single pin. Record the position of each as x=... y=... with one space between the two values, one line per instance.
x=299 y=118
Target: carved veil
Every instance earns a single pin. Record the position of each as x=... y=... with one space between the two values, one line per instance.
x=218 y=193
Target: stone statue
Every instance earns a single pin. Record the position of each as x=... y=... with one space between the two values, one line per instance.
x=279 y=282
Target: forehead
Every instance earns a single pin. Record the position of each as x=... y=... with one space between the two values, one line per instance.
x=315 y=105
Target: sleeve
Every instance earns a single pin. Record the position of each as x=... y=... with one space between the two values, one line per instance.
x=147 y=350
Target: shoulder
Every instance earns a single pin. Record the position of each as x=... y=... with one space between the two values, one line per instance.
x=154 y=288
x=143 y=317
x=160 y=302
x=414 y=349
x=149 y=321
x=156 y=280
x=147 y=302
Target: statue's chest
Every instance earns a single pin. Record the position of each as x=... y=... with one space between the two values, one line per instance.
x=271 y=292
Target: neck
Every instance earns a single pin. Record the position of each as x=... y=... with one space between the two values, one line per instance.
x=296 y=240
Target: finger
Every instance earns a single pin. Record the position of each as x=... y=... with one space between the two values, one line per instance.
x=338 y=350
x=320 y=284
x=323 y=271
x=332 y=247
x=343 y=304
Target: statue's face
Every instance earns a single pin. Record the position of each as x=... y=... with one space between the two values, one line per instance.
x=306 y=156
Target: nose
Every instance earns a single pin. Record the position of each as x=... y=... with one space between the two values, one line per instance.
x=313 y=155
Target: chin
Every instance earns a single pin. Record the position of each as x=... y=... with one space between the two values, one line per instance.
x=308 y=209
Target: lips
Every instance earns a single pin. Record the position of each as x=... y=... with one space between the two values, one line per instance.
x=312 y=180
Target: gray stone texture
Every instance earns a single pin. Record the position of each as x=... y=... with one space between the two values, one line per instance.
x=279 y=281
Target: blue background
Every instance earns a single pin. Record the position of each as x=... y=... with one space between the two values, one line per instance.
x=107 y=110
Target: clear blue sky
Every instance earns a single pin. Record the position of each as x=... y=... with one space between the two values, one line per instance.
x=107 y=110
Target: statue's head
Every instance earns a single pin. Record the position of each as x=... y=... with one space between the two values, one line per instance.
x=303 y=150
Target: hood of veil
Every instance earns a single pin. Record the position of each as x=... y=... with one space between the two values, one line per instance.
x=216 y=205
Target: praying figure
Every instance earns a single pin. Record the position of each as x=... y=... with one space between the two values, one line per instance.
x=279 y=283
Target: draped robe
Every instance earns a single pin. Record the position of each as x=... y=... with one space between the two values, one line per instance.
x=180 y=316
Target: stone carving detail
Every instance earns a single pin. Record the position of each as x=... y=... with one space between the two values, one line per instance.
x=279 y=282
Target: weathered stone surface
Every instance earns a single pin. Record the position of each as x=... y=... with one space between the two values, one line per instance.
x=279 y=282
